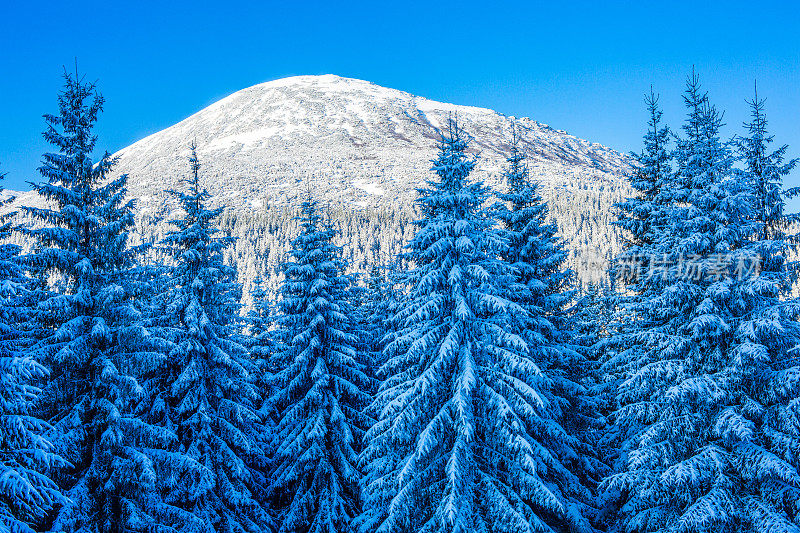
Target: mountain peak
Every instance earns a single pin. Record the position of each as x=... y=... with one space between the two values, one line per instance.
x=329 y=125
x=318 y=81
x=314 y=79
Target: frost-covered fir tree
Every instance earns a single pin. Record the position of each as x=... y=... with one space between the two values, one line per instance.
x=541 y=286
x=204 y=392
x=320 y=389
x=27 y=457
x=92 y=337
x=451 y=450
x=711 y=406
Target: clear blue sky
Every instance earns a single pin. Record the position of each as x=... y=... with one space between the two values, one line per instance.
x=578 y=66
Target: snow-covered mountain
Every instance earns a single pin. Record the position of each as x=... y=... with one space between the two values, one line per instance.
x=349 y=140
x=363 y=150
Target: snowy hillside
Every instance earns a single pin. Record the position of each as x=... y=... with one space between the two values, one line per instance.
x=361 y=148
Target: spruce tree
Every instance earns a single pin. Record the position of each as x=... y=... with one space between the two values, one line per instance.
x=710 y=404
x=595 y=326
x=376 y=316
x=259 y=319
x=767 y=339
x=27 y=456
x=764 y=172
x=639 y=215
x=320 y=388
x=451 y=449
x=541 y=286
x=643 y=217
x=203 y=391
x=92 y=340
x=263 y=343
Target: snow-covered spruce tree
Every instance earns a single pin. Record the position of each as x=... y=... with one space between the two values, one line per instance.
x=643 y=218
x=451 y=449
x=639 y=215
x=764 y=172
x=27 y=494
x=320 y=389
x=711 y=402
x=376 y=313
x=592 y=318
x=768 y=339
x=262 y=342
x=261 y=339
x=259 y=320
x=541 y=286
x=593 y=326
x=92 y=339
x=203 y=392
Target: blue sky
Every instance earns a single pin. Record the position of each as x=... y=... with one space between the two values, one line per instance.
x=578 y=66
